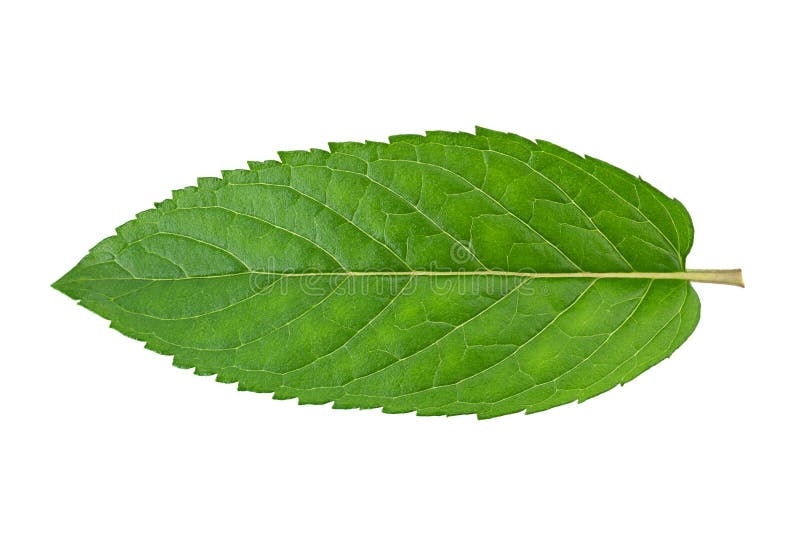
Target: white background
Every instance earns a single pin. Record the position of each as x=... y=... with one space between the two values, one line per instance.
x=106 y=108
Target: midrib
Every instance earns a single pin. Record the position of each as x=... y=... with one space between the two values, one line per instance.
x=712 y=276
x=731 y=277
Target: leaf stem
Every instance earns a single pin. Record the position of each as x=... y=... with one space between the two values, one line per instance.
x=731 y=277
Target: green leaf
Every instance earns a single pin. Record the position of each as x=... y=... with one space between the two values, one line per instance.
x=445 y=274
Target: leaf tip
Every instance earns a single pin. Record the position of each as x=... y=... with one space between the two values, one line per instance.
x=62 y=285
x=58 y=285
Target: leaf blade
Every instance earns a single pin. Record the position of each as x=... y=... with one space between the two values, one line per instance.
x=209 y=275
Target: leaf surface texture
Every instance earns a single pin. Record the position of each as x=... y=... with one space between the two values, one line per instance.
x=395 y=275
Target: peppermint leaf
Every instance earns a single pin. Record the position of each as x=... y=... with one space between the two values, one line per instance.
x=444 y=274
